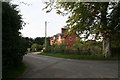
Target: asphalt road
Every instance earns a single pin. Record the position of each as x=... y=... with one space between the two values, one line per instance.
x=40 y=66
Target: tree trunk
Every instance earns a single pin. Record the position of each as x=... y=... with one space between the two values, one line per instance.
x=106 y=47
x=106 y=37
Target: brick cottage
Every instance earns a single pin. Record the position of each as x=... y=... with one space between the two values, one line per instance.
x=63 y=36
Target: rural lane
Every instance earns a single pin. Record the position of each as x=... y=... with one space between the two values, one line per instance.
x=40 y=66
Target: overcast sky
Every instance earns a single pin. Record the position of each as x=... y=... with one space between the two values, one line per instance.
x=36 y=17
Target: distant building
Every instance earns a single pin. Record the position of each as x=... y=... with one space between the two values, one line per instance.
x=63 y=36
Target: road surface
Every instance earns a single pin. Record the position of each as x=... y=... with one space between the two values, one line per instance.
x=40 y=66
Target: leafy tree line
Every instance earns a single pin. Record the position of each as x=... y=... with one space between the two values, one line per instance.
x=36 y=44
x=100 y=18
x=13 y=47
x=41 y=40
x=39 y=43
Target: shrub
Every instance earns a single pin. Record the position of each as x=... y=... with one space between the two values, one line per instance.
x=13 y=48
x=88 y=48
x=36 y=47
x=39 y=47
x=79 y=48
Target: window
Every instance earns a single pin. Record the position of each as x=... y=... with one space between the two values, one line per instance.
x=70 y=38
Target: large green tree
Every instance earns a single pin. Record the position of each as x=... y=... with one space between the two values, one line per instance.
x=90 y=18
x=12 y=42
x=39 y=40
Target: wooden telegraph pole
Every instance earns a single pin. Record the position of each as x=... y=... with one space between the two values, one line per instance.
x=45 y=34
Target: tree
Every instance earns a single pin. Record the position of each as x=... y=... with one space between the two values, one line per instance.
x=36 y=47
x=41 y=40
x=27 y=41
x=114 y=23
x=89 y=18
x=12 y=43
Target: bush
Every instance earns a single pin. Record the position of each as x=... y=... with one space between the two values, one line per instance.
x=39 y=47
x=12 y=43
x=79 y=48
x=36 y=47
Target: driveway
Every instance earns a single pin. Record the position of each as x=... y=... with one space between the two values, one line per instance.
x=40 y=66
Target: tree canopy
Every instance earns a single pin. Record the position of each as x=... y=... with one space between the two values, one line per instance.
x=100 y=18
x=41 y=40
x=88 y=17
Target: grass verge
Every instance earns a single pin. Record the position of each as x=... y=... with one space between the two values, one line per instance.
x=82 y=57
x=15 y=73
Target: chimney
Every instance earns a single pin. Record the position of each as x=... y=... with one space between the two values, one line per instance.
x=63 y=30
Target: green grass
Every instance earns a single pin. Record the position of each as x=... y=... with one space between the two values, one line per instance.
x=16 y=72
x=82 y=57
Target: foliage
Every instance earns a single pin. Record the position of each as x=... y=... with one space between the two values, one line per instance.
x=41 y=40
x=27 y=41
x=36 y=47
x=12 y=42
x=115 y=22
x=56 y=48
x=39 y=47
x=79 y=48
x=15 y=72
x=90 y=18
x=87 y=17
x=36 y=43
x=88 y=47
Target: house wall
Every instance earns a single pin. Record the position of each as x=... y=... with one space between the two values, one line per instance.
x=57 y=41
x=73 y=41
x=51 y=42
x=66 y=39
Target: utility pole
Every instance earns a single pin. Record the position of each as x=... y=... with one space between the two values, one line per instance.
x=45 y=34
